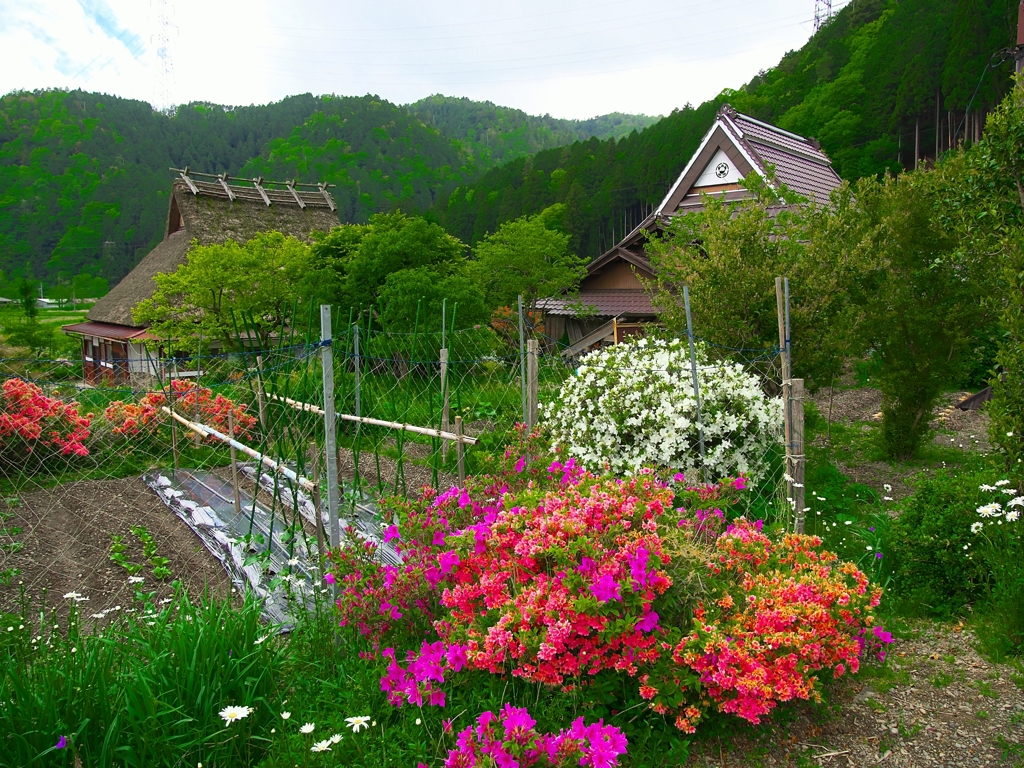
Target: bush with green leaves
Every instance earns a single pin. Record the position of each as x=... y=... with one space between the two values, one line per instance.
x=939 y=566
x=633 y=405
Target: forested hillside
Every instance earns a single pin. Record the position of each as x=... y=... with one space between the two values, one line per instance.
x=882 y=75
x=84 y=179
x=501 y=134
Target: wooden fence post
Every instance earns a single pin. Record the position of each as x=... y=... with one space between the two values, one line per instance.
x=797 y=415
x=532 y=384
x=445 y=414
x=234 y=464
x=460 y=451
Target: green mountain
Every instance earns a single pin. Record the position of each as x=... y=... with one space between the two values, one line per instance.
x=882 y=75
x=84 y=176
x=500 y=134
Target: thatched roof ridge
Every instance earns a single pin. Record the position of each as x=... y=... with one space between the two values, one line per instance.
x=210 y=220
x=213 y=220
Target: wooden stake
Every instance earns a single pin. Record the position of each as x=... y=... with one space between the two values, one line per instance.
x=797 y=456
x=532 y=383
x=234 y=464
x=460 y=451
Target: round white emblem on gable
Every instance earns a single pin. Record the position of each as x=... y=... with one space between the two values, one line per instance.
x=722 y=170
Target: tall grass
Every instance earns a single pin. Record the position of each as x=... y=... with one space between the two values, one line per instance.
x=144 y=691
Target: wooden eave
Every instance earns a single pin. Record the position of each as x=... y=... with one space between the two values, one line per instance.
x=619 y=253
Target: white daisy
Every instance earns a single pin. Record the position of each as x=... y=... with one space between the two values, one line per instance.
x=230 y=714
x=975 y=527
x=986 y=487
x=335 y=738
x=1002 y=482
x=321 y=746
x=285 y=715
x=307 y=728
x=357 y=723
x=989 y=510
x=1013 y=516
x=72 y=595
x=136 y=579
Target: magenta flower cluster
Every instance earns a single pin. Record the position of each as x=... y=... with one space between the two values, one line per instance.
x=509 y=740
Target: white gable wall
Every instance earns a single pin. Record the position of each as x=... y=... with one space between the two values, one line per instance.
x=720 y=170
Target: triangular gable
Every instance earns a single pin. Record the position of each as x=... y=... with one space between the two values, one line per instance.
x=719 y=148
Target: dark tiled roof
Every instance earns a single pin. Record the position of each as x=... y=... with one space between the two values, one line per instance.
x=756 y=131
x=608 y=302
x=804 y=176
x=107 y=331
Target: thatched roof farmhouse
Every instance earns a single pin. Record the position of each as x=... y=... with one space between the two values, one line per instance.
x=210 y=210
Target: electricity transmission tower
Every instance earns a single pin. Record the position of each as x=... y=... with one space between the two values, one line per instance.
x=822 y=13
x=164 y=83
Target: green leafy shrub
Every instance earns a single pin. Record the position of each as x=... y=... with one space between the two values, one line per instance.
x=937 y=569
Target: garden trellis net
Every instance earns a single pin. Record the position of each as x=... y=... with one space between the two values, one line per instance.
x=398 y=392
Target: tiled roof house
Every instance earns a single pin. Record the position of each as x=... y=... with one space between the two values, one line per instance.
x=735 y=146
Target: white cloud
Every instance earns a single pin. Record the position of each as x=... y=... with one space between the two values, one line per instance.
x=568 y=58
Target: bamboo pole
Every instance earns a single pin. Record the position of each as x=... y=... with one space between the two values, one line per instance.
x=206 y=431
x=522 y=361
x=199 y=368
x=234 y=465
x=445 y=414
x=300 y=406
x=261 y=403
x=696 y=381
x=797 y=390
x=330 y=424
x=460 y=452
x=532 y=383
x=315 y=471
x=174 y=430
x=786 y=389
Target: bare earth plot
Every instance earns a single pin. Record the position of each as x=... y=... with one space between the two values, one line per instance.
x=66 y=541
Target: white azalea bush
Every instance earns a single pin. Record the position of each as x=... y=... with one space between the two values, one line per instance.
x=632 y=405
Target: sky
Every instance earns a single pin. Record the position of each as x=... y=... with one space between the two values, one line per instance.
x=566 y=58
